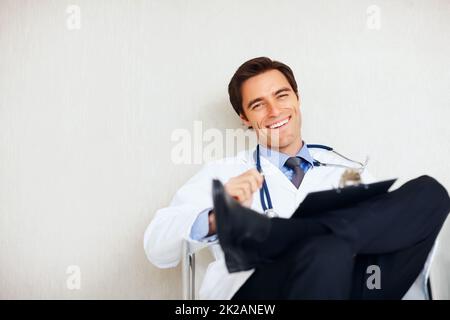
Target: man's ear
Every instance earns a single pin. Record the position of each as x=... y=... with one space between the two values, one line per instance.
x=244 y=120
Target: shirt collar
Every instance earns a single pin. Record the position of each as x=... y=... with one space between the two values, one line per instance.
x=278 y=159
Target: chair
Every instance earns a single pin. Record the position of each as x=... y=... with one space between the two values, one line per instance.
x=420 y=290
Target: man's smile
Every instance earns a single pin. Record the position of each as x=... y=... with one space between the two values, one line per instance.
x=279 y=123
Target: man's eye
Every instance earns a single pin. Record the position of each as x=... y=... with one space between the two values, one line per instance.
x=256 y=106
x=282 y=95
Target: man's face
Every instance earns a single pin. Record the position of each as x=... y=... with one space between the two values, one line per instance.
x=272 y=108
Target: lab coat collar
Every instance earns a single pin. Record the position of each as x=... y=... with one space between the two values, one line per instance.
x=279 y=158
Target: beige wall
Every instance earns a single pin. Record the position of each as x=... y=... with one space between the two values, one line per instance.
x=86 y=117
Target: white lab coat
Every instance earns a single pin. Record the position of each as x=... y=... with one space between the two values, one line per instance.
x=163 y=237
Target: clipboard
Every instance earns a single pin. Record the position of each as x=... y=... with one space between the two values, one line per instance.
x=323 y=201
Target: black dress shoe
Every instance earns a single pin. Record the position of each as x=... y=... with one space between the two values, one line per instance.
x=240 y=231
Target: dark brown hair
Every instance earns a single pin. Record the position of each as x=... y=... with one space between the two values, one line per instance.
x=253 y=68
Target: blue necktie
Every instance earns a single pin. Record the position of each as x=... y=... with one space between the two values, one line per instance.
x=294 y=164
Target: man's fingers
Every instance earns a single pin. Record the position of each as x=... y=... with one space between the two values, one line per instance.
x=241 y=191
x=252 y=183
x=245 y=190
x=259 y=178
x=237 y=192
x=253 y=173
x=243 y=186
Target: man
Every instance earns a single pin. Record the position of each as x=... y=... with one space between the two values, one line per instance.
x=280 y=258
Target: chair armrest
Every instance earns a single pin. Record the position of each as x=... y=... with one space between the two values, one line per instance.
x=189 y=249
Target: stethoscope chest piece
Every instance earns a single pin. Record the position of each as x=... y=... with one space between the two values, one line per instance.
x=271 y=213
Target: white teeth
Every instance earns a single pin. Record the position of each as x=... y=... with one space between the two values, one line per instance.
x=279 y=124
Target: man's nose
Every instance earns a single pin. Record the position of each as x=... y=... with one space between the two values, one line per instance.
x=274 y=110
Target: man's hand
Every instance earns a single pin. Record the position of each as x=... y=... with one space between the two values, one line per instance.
x=240 y=188
x=243 y=186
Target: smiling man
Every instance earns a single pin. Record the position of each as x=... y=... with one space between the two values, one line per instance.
x=270 y=104
x=323 y=257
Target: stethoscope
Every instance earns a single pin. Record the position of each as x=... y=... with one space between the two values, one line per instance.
x=264 y=193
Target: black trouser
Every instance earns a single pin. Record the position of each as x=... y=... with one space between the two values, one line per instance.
x=393 y=232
